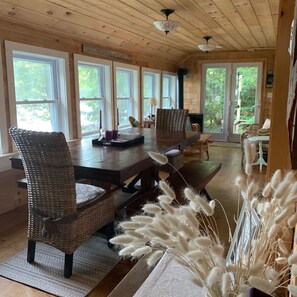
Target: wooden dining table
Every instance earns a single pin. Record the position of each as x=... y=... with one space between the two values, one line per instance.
x=117 y=164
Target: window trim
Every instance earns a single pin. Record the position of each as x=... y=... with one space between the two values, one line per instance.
x=3 y=116
x=64 y=81
x=107 y=120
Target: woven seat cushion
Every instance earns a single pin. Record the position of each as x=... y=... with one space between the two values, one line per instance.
x=86 y=194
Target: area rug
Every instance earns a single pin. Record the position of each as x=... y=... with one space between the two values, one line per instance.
x=226 y=144
x=91 y=262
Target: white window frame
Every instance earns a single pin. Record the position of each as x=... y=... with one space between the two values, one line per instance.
x=134 y=90
x=172 y=90
x=65 y=123
x=107 y=85
x=3 y=116
x=156 y=92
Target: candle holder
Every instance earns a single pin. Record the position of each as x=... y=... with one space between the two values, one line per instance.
x=101 y=134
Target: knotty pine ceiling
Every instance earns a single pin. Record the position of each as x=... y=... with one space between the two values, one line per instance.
x=127 y=25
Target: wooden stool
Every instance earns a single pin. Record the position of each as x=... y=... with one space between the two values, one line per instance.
x=198 y=147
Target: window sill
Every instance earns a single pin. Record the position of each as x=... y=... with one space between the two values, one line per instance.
x=5 y=162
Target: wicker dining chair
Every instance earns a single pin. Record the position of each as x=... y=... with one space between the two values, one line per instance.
x=172 y=120
x=62 y=213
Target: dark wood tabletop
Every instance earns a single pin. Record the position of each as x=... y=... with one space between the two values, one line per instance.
x=117 y=164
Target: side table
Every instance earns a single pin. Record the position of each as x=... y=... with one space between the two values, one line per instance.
x=148 y=123
x=199 y=146
x=260 y=139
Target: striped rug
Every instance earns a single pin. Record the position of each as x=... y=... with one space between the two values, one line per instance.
x=91 y=262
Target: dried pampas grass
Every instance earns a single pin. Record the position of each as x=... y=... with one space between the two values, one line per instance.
x=261 y=259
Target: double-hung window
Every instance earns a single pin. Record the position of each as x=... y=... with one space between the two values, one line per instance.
x=126 y=93
x=93 y=91
x=151 y=89
x=169 y=84
x=37 y=88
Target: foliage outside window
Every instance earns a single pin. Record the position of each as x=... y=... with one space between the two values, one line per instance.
x=169 y=91
x=36 y=92
x=149 y=84
x=92 y=97
x=215 y=92
x=214 y=99
x=151 y=88
x=124 y=89
x=245 y=94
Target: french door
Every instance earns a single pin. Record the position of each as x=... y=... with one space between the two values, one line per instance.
x=230 y=98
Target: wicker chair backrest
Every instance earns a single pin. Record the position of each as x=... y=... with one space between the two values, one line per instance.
x=49 y=171
x=171 y=119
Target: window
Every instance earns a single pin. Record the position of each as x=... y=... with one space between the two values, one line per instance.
x=37 y=88
x=151 y=88
x=126 y=93
x=169 y=90
x=93 y=93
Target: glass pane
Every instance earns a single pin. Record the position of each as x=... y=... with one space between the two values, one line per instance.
x=166 y=103
x=214 y=99
x=166 y=86
x=125 y=110
x=123 y=83
x=148 y=85
x=33 y=79
x=39 y=117
x=89 y=81
x=89 y=115
x=245 y=98
x=146 y=107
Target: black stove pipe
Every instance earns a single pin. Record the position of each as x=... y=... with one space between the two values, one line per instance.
x=180 y=83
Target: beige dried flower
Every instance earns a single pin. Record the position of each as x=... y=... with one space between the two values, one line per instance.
x=159 y=158
x=189 y=234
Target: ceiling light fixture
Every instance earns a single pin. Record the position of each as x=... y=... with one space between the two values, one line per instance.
x=167 y=25
x=208 y=47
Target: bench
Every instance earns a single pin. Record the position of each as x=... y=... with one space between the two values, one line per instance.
x=196 y=173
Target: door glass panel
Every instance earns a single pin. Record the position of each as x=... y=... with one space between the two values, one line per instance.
x=245 y=98
x=215 y=84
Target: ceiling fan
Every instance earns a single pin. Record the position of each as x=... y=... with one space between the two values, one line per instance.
x=208 y=47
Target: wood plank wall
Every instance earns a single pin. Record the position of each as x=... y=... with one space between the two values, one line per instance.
x=192 y=86
x=278 y=154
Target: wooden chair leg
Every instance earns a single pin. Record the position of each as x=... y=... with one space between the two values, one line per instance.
x=109 y=231
x=207 y=154
x=31 y=251
x=68 y=263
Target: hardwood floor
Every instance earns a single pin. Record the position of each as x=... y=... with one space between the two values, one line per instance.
x=13 y=224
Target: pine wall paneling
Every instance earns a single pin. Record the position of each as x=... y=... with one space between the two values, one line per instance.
x=278 y=154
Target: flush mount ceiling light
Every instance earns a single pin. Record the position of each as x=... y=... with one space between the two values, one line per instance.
x=166 y=25
x=208 y=47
